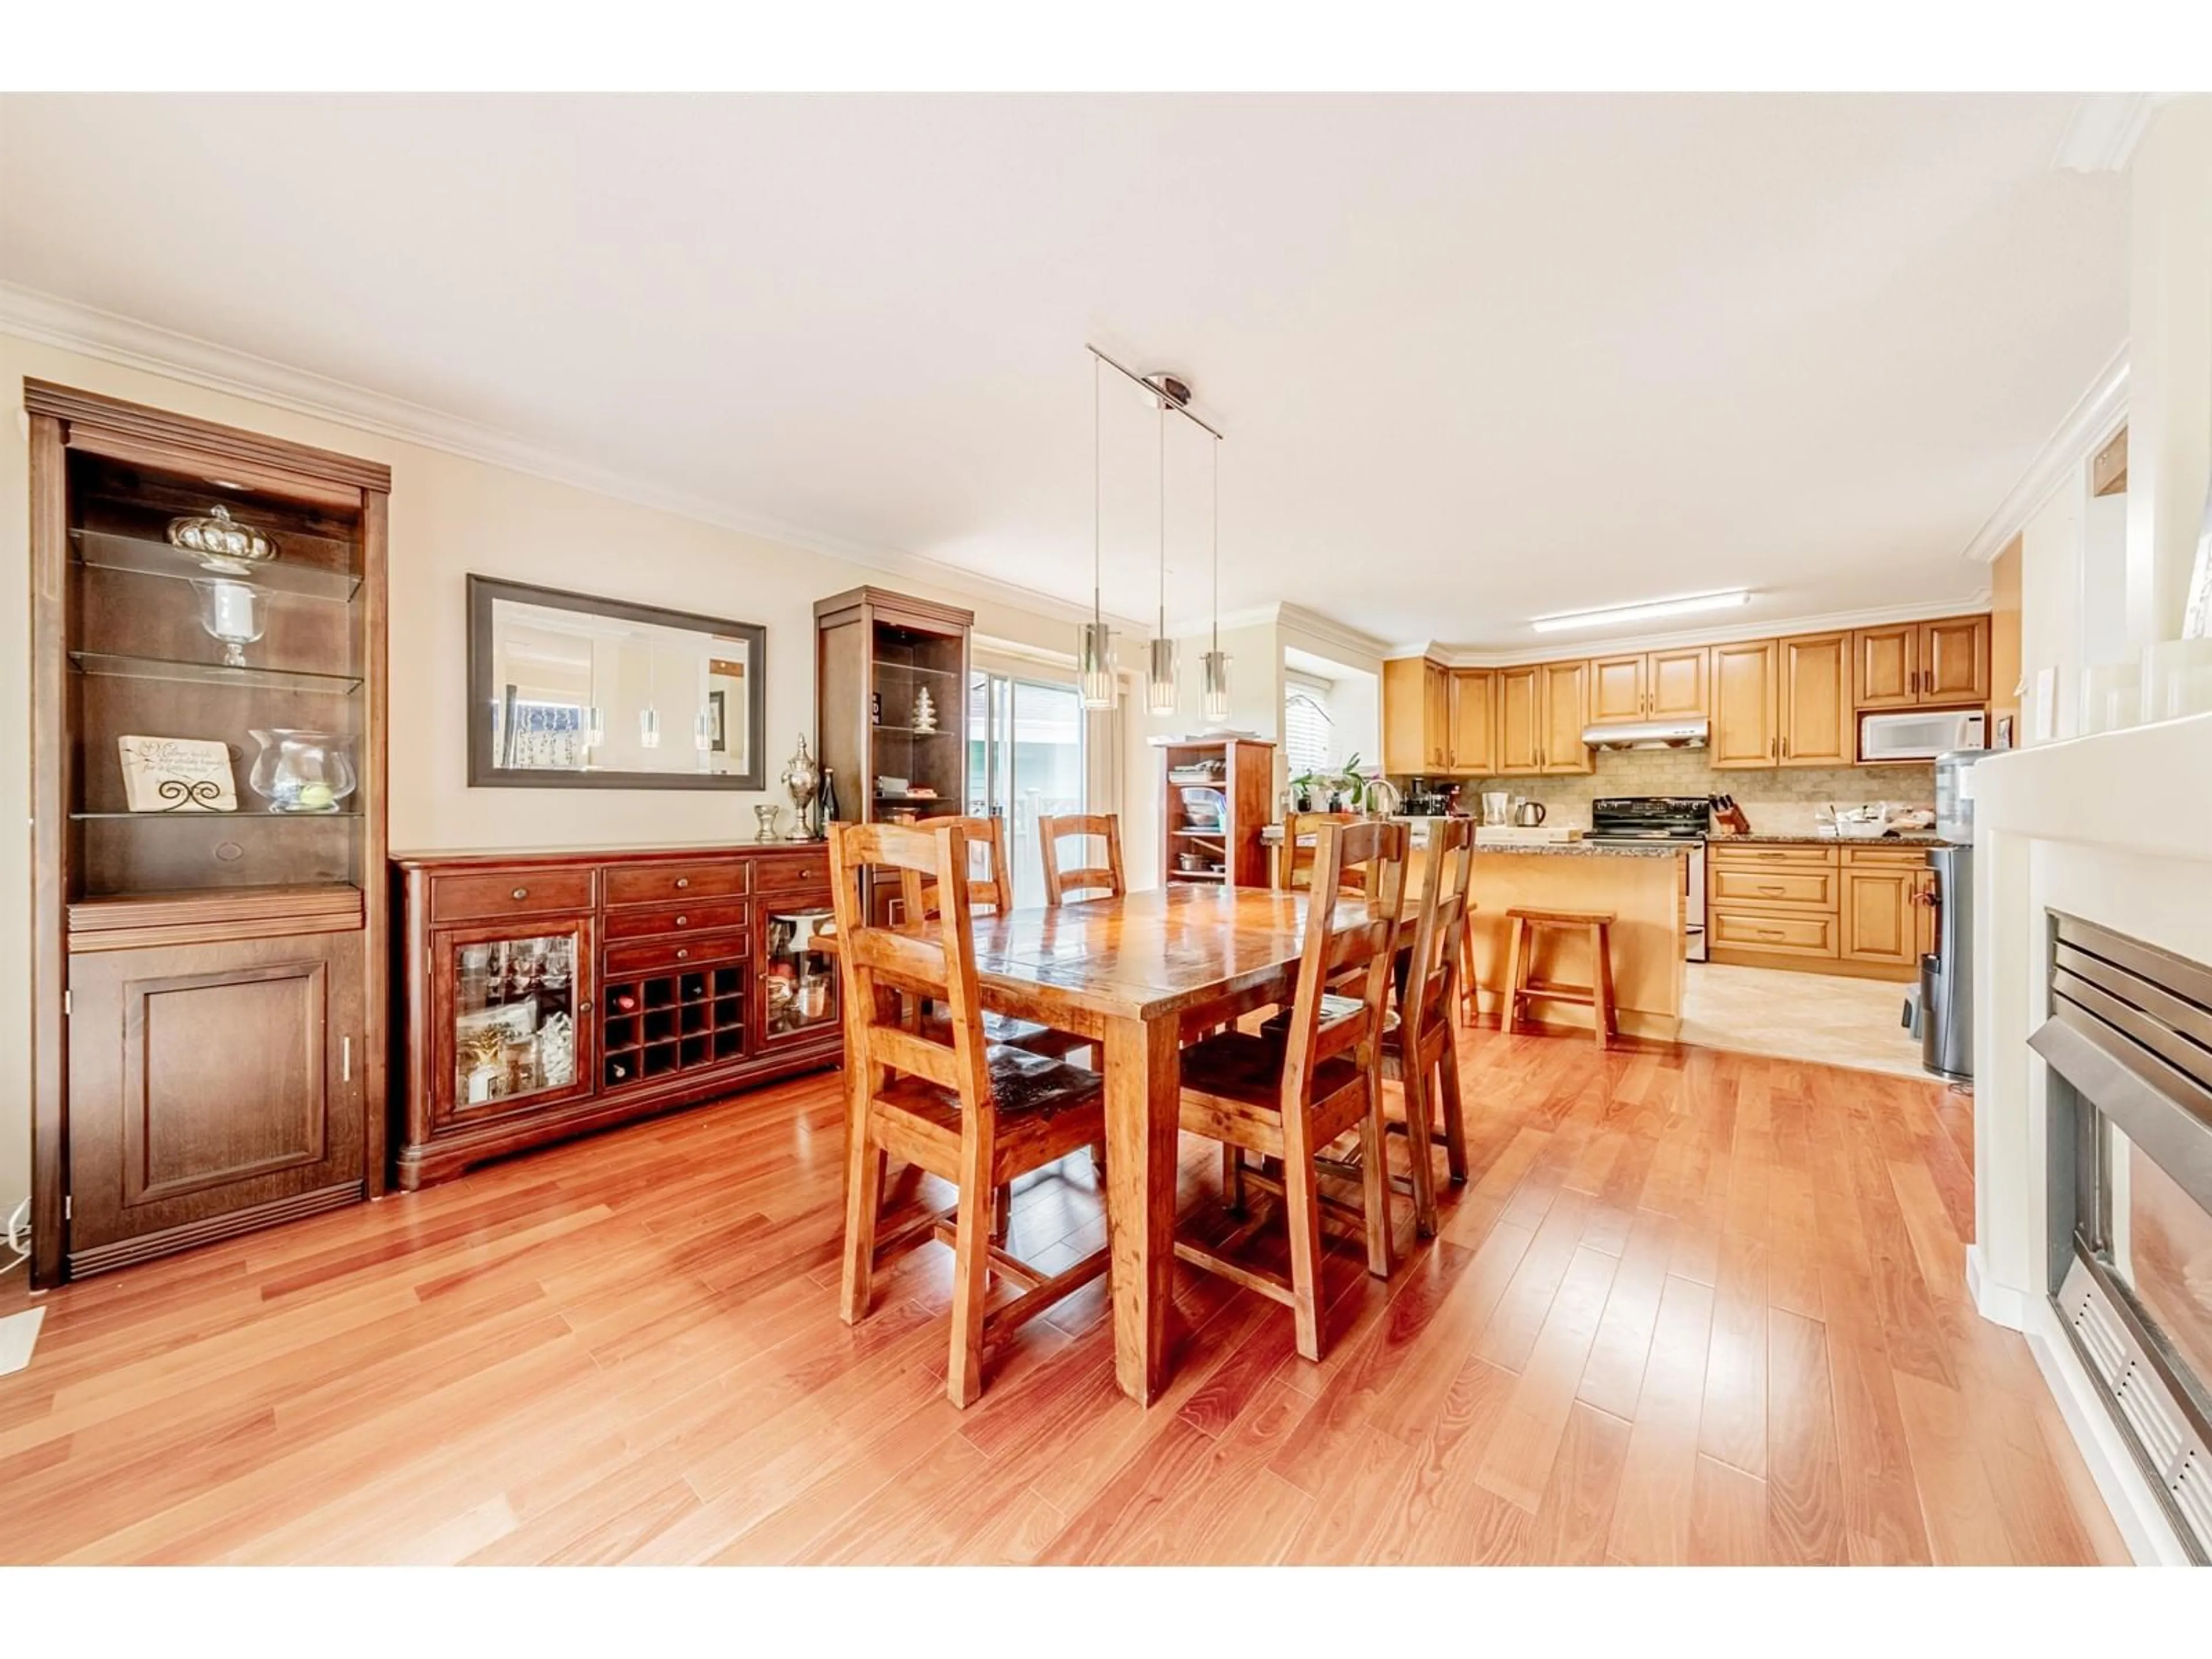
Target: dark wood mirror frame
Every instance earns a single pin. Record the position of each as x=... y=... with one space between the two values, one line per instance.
x=486 y=590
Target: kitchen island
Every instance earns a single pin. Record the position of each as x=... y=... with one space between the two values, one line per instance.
x=1643 y=884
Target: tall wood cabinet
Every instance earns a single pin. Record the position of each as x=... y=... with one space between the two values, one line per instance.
x=548 y=993
x=208 y=923
x=876 y=655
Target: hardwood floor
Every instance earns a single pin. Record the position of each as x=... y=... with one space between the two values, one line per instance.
x=1692 y=1307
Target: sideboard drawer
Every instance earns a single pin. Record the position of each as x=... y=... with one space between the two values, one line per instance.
x=791 y=873
x=655 y=920
x=478 y=895
x=660 y=955
x=666 y=884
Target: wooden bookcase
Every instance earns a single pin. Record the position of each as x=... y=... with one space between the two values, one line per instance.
x=875 y=653
x=1243 y=770
x=208 y=974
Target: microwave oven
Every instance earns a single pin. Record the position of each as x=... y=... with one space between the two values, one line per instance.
x=1916 y=737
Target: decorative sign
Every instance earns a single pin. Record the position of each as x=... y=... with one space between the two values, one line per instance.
x=176 y=774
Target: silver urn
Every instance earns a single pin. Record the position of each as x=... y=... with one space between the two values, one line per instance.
x=802 y=780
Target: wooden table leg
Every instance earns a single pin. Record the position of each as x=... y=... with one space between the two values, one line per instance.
x=1144 y=1085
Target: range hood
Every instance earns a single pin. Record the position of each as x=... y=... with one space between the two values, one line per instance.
x=1648 y=734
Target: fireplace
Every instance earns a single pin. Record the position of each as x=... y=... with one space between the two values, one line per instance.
x=2129 y=1042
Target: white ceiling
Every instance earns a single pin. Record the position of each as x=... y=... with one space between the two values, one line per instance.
x=1478 y=358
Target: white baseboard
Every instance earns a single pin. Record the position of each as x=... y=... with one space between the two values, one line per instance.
x=2135 y=1507
x=2000 y=1305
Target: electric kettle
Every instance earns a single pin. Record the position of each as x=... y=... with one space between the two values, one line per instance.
x=1527 y=814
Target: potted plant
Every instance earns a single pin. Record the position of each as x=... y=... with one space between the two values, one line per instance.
x=1302 y=788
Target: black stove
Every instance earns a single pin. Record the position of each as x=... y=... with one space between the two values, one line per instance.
x=1652 y=817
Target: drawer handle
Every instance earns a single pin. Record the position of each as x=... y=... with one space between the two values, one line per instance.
x=680 y=955
x=1773 y=887
x=1772 y=932
x=519 y=893
x=681 y=921
x=683 y=881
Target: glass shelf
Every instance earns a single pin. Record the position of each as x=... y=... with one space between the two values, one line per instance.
x=214 y=673
x=111 y=552
x=204 y=817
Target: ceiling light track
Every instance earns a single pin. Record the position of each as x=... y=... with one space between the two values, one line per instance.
x=1172 y=392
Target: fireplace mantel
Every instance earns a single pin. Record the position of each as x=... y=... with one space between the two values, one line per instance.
x=2116 y=829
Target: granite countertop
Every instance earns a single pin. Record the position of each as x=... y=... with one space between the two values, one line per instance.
x=1587 y=849
x=1918 y=838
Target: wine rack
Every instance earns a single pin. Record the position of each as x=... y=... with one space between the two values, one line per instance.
x=659 y=1024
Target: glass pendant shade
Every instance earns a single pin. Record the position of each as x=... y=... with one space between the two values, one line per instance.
x=1213 y=684
x=1160 y=678
x=702 y=730
x=1094 y=664
x=595 y=727
x=649 y=727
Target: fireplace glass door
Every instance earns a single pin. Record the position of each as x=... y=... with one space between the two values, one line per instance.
x=2158 y=1245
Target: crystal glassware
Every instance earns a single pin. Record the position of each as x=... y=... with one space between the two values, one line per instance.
x=234 y=614
x=302 y=771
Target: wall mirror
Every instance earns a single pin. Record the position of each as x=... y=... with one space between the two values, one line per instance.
x=571 y=690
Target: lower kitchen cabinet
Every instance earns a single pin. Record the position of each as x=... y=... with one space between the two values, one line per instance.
x=547 y=995
x=1862 y=911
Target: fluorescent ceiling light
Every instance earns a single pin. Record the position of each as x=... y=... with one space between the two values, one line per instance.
x=1647 y=612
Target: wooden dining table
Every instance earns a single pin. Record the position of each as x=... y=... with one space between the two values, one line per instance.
x=1139 y=975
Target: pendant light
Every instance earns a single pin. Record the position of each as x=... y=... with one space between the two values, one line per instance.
x=1160 y=678
x=1094 y=647
x=648 y=718
x=1213 y=666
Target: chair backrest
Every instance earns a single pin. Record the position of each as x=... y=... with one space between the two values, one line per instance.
x=1440 y=927
x=1346 y=932
x=1295 y=868
x=930 y=958
x=1084 y=879
x=987 y=893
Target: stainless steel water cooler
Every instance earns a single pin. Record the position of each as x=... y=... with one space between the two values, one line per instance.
x=1946 y=1014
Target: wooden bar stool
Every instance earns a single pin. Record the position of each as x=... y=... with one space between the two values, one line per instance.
x=1522 y=931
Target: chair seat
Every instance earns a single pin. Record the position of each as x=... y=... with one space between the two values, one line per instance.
x=1013 y=1032
x=1332 y=1009
x=1027 y=1086
x=1563 y=918
x=1239 y=1067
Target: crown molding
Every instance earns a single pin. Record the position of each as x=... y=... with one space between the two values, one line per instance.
x=2102 y=133
x=2097 y=413
x=49 y=319
x=1833 y=622
x=1324 y=630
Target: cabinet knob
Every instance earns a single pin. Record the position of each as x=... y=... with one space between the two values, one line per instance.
x=584 y=1008
x=681 y=955
x=519 y=893
x=683 y=881
x=682 y=921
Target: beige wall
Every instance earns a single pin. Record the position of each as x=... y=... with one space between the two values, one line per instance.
x=450 y=516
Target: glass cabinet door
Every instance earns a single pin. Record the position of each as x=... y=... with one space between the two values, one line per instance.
x=800 y=978
x=516 y=1006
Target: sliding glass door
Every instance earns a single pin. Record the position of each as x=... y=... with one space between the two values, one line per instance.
x=1025 y=761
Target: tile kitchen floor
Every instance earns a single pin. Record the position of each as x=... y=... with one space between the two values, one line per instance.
x=1814 y=1017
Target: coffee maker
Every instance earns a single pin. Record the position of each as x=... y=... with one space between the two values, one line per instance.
x=1427 y=798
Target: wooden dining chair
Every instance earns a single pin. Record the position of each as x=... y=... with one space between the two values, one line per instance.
x=1294 y=869
x=1090 y=880
x=968 y=1110
x=1421 y=1052
x=1287 y=1100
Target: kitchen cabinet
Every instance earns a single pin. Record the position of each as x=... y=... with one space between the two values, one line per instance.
x=1565 y=687
x=1473 y=722
x=1416 y=717
x=1814 y=700
x=1744 y=734
x=1922 y=665
x=1649 y=686
x=1519 y=693
x=1823 y=907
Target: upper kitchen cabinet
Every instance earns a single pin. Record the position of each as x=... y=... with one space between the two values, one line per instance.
x=1519 y=694
x=1814 y=699
x=1912 y=664
x=1744 y=706
x=1416 y=716
x=1566 y=712
x=1473 y=721
x=1649 y=686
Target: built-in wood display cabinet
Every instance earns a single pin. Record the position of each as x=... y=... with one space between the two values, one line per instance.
x=208 y=808
x=545 y=994
x=1786 y=702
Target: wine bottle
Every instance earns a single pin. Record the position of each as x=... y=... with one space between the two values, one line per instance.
x=827 y=803
x=617 y=1070
x=625 y=1002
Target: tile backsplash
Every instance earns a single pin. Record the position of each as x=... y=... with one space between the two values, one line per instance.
x=1780 y=801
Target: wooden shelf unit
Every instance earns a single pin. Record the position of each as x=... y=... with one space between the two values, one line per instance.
x=207 y=986
x=1246 y=779
x=874 y=651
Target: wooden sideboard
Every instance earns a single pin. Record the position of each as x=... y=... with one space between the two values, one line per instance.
x=544 y=994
